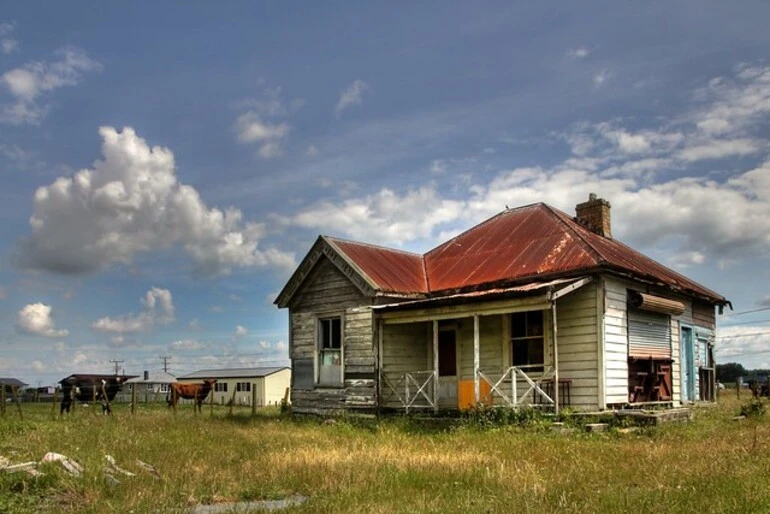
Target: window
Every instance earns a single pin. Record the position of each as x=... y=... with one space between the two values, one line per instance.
x=527 y=340
x=150 y=387
x=163 y=388
x=330 y=351
x=243 y=387
x=220 y=387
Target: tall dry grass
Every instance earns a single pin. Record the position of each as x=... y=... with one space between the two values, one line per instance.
x=394 y=465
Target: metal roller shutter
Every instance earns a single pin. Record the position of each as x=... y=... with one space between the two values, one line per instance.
x=649 y=335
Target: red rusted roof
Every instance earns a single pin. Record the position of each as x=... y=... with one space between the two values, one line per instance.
x=393 y=271
x=520 y=244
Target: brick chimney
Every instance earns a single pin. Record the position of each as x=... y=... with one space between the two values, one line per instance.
x=595 y=215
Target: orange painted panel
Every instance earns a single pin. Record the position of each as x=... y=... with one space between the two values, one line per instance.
x=466 y=397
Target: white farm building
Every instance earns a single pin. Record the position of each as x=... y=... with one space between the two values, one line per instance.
x=267 y=385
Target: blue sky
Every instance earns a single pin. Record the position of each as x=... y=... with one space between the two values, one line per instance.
x=165 y=166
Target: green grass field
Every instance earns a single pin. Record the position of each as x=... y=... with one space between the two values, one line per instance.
x=714 y=464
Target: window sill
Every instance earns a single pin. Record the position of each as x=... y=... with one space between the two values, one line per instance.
x=330 y=386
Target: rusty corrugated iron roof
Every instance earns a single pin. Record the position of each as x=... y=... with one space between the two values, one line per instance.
x=392 y=271
x=519 y=244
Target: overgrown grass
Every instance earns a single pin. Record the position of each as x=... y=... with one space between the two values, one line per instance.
x=395 y=465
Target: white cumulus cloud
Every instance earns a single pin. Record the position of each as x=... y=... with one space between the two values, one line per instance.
x=186 y=345
x=385 y=217
x=8 y=44
x=352 y=95
x=131 y=203
x=579 y=53
x=35 y=319
x=261 y=124
x=30 y=82
x=250 y=128
x=240 y=332
x=158 y=310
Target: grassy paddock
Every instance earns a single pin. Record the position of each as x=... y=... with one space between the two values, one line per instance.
x=397 y=465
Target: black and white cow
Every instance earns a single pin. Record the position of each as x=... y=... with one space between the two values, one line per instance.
x=88 y=388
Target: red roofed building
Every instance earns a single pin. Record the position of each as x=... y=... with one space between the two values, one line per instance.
x=500 y=314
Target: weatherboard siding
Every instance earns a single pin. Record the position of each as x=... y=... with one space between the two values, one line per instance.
x=405 y=348
x=577 y=344
x=615 y=342
x=359 y=359
x=328 y=292
x=490 y=346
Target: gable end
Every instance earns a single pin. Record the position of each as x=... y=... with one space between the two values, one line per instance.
x=322 y=248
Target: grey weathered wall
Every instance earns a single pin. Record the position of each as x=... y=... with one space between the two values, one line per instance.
x=328 y=292
x=405 y=348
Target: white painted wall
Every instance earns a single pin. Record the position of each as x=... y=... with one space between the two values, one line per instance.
x=577 y=343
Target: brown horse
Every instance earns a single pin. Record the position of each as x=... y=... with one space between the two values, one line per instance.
x=197 y=392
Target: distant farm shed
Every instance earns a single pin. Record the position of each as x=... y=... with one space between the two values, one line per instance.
x=150 y=387
x=270 y=384
x=8 y=384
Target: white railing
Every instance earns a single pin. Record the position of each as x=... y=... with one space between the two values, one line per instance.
x=414 y=389
x=506 y=387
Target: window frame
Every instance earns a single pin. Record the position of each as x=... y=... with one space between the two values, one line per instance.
x=243 y=387
x=529 y=339
x=320 y=349
x=220 y=387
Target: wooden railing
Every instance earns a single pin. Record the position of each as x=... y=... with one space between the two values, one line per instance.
x=506 y=386
x=414 y=389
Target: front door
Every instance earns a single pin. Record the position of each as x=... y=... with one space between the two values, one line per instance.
x=687 y=359
x=447 y=369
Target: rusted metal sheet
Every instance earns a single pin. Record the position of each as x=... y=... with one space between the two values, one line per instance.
x=392 y=270
x=517 y=245
x=648 y=302
x=613 y=253
x=521 y=290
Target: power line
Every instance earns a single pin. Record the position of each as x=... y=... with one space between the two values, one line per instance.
x=743 y=354
x=747 y=312
x=760 y=321
x=744 y=335
x=116 y=362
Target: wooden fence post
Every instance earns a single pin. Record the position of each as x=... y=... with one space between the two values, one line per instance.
x=2 y=399
x=15 y=391
x=133 y=398
x=211 y=401
x=93 y=399
x=106 y=400
x=253 y=399
x=232 y=401
x=53 y=404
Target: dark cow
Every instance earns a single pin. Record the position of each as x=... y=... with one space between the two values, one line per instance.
x=89 y=388
x=195 y=391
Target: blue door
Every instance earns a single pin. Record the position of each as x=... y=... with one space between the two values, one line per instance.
x=687 y=358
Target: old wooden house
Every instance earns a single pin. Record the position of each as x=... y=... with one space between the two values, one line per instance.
x=531 y=307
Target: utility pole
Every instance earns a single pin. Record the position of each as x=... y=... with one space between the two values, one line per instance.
x=116 y=362
x=165 y=359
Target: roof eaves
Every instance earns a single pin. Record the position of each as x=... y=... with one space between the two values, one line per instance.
x=300 y=274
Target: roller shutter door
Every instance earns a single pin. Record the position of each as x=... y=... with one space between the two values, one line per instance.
x=649 y=335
